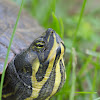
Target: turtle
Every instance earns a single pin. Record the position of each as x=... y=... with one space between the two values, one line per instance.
x=35 y=68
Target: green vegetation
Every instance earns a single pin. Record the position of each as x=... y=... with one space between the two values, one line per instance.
x=80 y=32
x=82 y=57
x=8 y=50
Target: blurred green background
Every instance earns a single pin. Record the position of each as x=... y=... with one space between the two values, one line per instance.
x=83 y=82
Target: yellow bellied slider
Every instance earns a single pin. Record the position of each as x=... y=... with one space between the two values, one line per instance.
x=35 y=69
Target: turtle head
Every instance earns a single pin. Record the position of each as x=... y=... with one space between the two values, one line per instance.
x=48 y=45
x=41 y=67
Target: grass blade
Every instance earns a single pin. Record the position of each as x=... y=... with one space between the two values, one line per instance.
x=97 y=98
x=92 y=96
x=83 y=68
x=53 y=6
x=34 y=6
x=80 y=18
x=62 y=28
x=73 y=75
x=55 y=23
x=8 y=50
x=86 y=92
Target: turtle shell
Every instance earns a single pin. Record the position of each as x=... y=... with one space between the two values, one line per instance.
x=27 y=30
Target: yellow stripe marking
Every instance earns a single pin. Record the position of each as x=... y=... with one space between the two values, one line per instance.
x=7 y=95
x=57 y=80
x=58 y=74
x=38 y=85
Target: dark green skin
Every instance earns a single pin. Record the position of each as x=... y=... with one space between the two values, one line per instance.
x=19 y=82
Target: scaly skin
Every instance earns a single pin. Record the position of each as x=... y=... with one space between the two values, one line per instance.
x=38 y=72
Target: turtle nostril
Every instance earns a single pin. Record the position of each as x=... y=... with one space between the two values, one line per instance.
x=52 y=32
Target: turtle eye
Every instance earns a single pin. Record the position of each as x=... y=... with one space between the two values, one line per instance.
x=40 y=45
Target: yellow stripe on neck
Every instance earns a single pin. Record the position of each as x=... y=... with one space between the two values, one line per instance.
x=37 y=86
x=57 y=80
x=58 y=74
